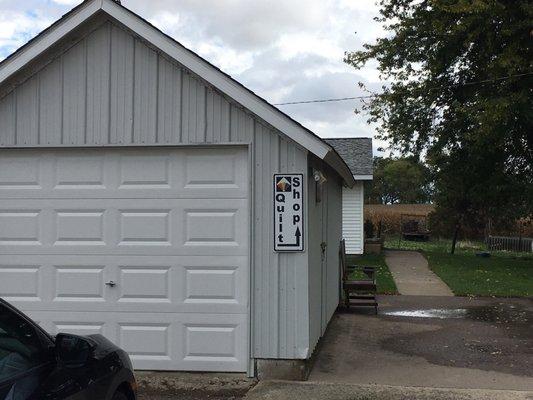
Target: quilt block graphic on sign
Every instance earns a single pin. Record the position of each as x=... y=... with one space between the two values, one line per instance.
x=288 y=212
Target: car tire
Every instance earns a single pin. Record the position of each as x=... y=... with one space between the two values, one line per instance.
x=119 y=396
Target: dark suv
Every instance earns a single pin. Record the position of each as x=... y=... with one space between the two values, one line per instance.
x=37 y=366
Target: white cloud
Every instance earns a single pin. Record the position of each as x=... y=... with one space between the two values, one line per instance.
x=17 y=28
x=241 y=24
x=294 y=44
x=67 y=2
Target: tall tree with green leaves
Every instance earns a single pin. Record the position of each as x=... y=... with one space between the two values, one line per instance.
x=459 y=92
x=399 y=180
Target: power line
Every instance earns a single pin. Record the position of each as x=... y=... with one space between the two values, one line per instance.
x=323 y=100
x=331 y=100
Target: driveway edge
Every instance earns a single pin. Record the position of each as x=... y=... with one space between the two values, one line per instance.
x=281 y=390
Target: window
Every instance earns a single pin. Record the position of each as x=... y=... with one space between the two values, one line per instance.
x=20 y=346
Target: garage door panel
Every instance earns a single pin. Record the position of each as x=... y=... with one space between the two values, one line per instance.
x=19 y=226
x=212 y=285
x=146 y=341
x=141 y=171
x=80 y=171
x=124 y=173
x=19 y=171
x=145 y=284
x=146 y=227
x=81 y=284
x=148 y=247
x=188 y=284
x=192 y=342
x=124 y=226
x=78 y=227
x=206 y=171
x=20 y=283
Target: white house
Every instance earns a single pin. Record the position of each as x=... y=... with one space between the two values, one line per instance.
x=357 y=152
x=138 y=199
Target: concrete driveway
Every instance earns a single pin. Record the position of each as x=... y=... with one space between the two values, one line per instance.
x=284 y=390
x=416 y=348
x=446 y=342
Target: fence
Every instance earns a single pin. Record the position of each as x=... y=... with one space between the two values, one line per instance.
x=510 y=243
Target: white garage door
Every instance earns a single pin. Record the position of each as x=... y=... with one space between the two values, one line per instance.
x=168 y=227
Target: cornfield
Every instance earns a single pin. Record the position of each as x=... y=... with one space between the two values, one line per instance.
x=390 y=216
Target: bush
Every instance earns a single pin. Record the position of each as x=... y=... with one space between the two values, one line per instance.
x=369 y=229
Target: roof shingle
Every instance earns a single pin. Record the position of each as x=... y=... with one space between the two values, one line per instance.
x=356 y=152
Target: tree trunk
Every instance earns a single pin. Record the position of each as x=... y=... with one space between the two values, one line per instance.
x=454 y=241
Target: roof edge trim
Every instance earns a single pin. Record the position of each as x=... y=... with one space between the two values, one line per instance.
x=336 y=162
x=363 y=177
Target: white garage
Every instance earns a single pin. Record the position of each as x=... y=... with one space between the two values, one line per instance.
x=136 y=201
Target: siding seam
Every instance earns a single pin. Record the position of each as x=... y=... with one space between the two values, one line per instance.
x=156 y=99
x=85 y=91
x=110 y=83
x=133 y=91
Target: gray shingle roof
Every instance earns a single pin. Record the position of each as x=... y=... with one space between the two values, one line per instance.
x=356 y=152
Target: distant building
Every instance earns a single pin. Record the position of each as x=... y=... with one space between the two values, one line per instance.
x=357 y=153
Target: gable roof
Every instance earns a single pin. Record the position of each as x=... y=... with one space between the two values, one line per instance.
x=190 y=60
x=357 y=153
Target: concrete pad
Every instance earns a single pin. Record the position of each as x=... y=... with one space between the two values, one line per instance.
x=412 y=275
x=282 y=390
x=487 y=345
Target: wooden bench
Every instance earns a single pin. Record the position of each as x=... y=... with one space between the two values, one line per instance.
x=357 y=292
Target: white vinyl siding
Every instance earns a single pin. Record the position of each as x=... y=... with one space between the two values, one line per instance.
x=324 y=226
x=352 y=218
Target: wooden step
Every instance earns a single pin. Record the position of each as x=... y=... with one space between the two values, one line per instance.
x=363 y=304
x=363 y=296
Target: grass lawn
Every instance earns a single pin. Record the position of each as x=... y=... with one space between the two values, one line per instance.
x=504 y=274
x=385 y=282
x=501 y=275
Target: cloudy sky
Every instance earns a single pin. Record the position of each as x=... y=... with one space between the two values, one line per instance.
x=283 y=50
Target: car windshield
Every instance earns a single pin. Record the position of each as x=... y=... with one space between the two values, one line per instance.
x=20 y=347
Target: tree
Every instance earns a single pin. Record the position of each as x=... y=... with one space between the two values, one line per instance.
x=468 y=199
x=459 y=93
x=399 y=180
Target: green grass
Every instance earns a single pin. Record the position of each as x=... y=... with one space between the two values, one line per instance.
x=501 y=275
x=384 y=279
x=504 y=274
